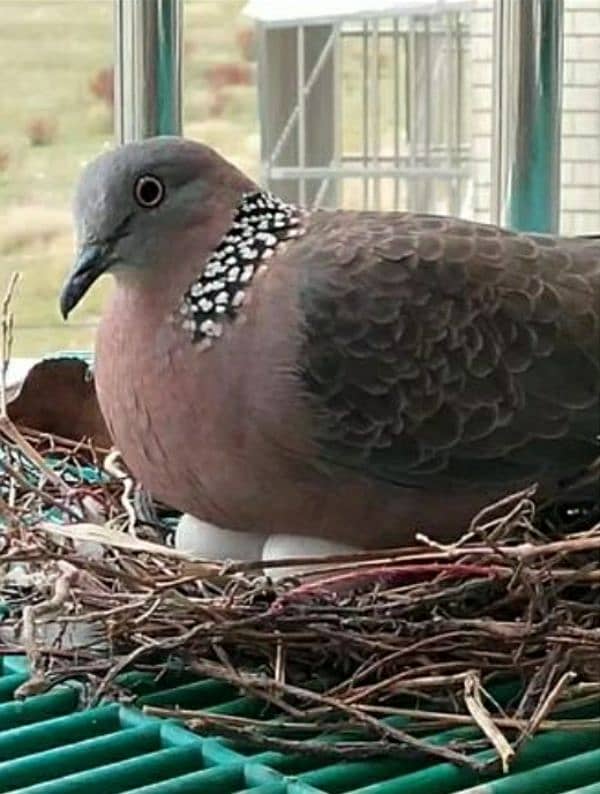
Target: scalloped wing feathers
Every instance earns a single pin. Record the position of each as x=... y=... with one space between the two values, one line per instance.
x=442 y=351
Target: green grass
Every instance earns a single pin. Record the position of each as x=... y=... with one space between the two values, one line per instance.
x=49 y=52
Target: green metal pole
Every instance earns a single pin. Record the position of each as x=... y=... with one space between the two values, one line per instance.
x=168 y=67
x=148 y=68
x=528 y=38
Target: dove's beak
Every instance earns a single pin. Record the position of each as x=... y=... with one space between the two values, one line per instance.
x=92 y=261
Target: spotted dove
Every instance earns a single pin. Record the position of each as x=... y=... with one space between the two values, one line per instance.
x=348 y=376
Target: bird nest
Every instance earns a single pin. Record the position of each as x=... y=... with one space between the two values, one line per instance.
x=497 y=634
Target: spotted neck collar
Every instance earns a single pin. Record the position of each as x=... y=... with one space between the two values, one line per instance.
x=262 y=222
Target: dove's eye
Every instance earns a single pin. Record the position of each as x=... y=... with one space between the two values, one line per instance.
x=149 y=191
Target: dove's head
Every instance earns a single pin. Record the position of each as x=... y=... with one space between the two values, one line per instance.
x=134 y=203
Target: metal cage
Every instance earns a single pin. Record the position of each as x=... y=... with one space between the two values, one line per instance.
x=380 y=110
x=366 y=111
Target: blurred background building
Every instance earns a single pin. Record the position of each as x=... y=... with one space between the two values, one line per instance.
x=355 y=110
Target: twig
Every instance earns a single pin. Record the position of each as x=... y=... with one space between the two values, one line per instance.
x=29 y=451
x=7 y=338
x=383 y=731
x=392 y=576
x=548 y=703
x=110 y=537
x=484 y=720
x=248 y=731
x=111 y=466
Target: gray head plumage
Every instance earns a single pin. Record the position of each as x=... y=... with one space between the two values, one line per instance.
x=132 y=201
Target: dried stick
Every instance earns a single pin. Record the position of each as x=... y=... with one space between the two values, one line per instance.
x=483 y=718
x=383 y=731
x=7 y=320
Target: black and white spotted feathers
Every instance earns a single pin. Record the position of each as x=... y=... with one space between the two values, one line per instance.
x=261 y=223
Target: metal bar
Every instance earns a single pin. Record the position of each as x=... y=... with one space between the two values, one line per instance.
x=323 y=187
x=458 y=144
x=498 y=165
x=384 y=33
x=428 y=107
x=301 y=100
x=365 y=109
x=366 y=172
x=396 y=109
x=413 y=79
x=439 y=152
x=528 y=38
x=451 y=108
x=148 y=68
x=375 y=113
x=263 y=100
x=281 y=141
x=338 y=106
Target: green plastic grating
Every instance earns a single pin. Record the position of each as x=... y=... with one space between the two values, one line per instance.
x=48 y=746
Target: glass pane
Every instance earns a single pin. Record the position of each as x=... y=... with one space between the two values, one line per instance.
x=56 y=59
x=220 y=98
x=55 y=113
x=580 y=169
